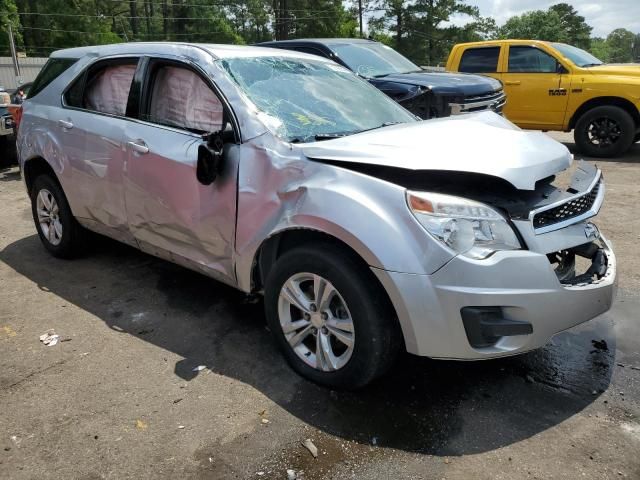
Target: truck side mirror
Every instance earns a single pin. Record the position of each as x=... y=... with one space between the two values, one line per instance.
x=560 y=69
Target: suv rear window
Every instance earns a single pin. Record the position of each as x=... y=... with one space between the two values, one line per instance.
x=51 y=70
x=480 y=60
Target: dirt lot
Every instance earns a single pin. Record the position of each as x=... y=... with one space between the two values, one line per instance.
x=120 y=398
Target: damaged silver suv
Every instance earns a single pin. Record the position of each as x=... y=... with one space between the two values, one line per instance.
x=366 y=230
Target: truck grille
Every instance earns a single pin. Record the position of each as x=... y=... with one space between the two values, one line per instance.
x=566 y=211
x=477 y=103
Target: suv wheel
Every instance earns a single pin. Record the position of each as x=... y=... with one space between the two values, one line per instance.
x=330 y=318
x=605 y=131
x=57 y=228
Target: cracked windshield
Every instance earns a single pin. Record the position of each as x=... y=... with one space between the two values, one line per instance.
x=306 y=100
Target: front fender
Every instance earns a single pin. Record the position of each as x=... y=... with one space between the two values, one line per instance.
x=279 y=190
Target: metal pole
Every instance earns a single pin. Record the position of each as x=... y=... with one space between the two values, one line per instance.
x=360 y=16
x=14 y=56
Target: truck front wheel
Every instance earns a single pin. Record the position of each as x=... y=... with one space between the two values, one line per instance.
x=605 y=131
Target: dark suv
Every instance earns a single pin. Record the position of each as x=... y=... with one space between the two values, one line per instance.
x=425 y=93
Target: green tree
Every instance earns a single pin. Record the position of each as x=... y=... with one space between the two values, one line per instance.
x=421 y=28
x=636 y=48
x=600 y=48
x=620 y=43
x=9 y=16
x=535 y=25
x=577 y=30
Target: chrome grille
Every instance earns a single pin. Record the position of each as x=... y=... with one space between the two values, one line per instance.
x=573 y=208
x=475 y=103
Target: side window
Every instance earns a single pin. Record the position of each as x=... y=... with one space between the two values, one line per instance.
x=480 y=60
x=531 y=60
x=52 y=70
x=104 y=87
x=181 y=98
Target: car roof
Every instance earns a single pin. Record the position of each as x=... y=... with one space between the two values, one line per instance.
x=216 y=50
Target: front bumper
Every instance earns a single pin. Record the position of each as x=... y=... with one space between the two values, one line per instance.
x=522 y=283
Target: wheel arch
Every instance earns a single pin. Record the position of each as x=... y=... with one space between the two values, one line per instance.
x=620 y=102
x=279 y=243
x=33 y=168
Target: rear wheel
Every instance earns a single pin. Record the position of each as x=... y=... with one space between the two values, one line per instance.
x=57 y=228
x=330 y=317
x=605 y=131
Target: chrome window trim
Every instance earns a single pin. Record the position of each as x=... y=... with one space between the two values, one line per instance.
x=592 y=212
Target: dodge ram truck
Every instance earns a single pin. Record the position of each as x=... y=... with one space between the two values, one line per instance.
x=554 y=86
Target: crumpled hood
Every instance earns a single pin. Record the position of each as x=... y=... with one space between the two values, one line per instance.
x=446 y=83
x=483 y=143
x=624 y=69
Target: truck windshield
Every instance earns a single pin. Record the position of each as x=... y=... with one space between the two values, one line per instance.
x=577 y=55
x=372 y=59
x=303 y=100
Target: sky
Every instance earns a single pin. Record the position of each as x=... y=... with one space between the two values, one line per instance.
x=603 y=15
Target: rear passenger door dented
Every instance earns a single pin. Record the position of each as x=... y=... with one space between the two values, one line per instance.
x=91 y=128
x=170 y=213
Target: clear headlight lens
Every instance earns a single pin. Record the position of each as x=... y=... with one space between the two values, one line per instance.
x=467 y=227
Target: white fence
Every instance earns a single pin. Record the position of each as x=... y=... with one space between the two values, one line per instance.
x=29 y=68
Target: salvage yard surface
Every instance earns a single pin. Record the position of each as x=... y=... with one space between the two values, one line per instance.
x=159 y=372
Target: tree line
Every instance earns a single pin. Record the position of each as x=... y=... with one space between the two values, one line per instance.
x=423 y=30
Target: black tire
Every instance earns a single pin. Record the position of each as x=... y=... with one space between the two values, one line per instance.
x=71 y=241
x=376 y=331
x=605 y=131
x=5 y=151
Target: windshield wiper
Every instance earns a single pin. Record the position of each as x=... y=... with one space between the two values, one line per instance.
x=592 y=65
x=385 y=124
x=329 y=136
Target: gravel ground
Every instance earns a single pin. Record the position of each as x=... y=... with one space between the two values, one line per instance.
x=119 y=397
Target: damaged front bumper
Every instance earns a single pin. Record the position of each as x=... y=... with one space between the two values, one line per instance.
x=519 y=293
x=515 y=301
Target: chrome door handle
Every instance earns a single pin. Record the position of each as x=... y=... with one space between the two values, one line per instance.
x=65 y=124
x=138 y=147
x=512 y=82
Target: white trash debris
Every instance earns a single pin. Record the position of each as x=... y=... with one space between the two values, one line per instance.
x=291 y=474
x=50 y=338
x=199 y=368
x=308 y=444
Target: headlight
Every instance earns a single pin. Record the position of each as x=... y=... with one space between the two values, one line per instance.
x=467 y=227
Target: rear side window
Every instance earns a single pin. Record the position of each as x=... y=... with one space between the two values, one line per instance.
x=104 y=87
x=480 y=60
x=52 y=70
x=107 y=91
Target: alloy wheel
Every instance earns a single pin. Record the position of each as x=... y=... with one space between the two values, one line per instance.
x=49 y=216
x=316 y=321
x=603 y=132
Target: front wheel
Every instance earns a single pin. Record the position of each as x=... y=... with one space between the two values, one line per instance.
x=330 y=317
x=605 y=131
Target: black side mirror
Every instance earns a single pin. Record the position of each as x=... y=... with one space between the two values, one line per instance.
x=560 y=68
x=210 y=158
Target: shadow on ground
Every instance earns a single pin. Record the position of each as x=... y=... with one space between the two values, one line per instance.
x=630 y=156
x=436 y=407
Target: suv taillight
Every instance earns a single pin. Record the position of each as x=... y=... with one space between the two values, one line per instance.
x=16 y=113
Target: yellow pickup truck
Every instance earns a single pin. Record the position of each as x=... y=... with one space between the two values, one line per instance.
x=553 y=86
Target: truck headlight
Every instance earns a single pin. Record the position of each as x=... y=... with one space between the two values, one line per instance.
x=467 y=227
